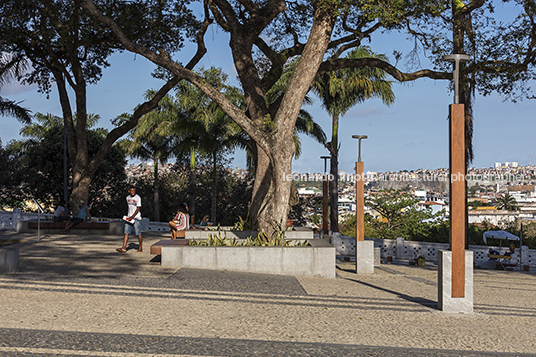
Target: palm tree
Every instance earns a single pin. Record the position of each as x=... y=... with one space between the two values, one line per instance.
x=341 y=90
x=507 y=202
x=152 y=139
x=12 y=67
x=207 y=129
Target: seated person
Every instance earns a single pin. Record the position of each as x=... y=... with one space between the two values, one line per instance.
x=179 y=223
x=81 y=216
x=512 y=249
x=205 y=222
x=60 y=213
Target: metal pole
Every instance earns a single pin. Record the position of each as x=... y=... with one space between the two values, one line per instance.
x=520 y=247
x=456 y=59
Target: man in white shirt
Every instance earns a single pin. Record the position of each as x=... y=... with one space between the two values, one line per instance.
x=133 y=220
x=60 y=214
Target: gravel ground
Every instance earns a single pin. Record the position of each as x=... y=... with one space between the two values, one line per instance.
x=79 y=285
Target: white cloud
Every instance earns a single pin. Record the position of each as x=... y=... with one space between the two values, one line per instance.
x=16 y=88
x=366 y=112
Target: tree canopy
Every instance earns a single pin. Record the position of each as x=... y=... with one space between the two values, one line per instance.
x=69 y=48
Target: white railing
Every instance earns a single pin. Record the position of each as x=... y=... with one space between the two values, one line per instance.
x=402 y=249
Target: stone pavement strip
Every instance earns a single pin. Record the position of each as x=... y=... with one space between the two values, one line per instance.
x=76 y=296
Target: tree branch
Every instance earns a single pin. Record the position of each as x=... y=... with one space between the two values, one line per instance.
x=333 y=65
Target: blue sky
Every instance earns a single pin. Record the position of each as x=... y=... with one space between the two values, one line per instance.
x=410 y=134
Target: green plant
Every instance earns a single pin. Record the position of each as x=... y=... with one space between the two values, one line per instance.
x=244 y=224
x=262 y=240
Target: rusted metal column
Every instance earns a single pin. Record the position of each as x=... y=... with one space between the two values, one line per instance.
x=325 y=199
x=457 y=198
x=360 y=201
x=325 y=207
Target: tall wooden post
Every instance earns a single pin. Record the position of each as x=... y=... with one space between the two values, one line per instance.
x=360 y=201
x=364 y=250
x=325 y=208
x=457 y=198
x=325 y=198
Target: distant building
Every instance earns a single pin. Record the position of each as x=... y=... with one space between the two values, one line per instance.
x=308 y=191
x=500 y=165
x=346 y=204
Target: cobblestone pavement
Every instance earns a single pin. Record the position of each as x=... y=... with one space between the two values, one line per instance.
x=76 y=296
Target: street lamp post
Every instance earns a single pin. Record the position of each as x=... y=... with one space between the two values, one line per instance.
x=455 y=265
x=359 y=191
x=325 y=203
x=364 y=250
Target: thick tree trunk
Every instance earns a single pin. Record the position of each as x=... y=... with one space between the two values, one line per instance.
x=269 y=206
x=271 y=192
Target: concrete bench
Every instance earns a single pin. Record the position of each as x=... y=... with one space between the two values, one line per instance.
x=496 y=256
x=61 y=225
x=157 y=247
x=49 y=227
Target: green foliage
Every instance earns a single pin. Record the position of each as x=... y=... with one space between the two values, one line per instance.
x=232 y=200
x=341 y=90
x=39 y=167
x=58 y=36
x=172 y=188
x=260 y=241
x=348 y=227
x=316 y=218
x=233 y=194
x=529 y=233
x=244 y=224
x=476 y=204
x=399 y=216
x=298 y=212
x=507 y=202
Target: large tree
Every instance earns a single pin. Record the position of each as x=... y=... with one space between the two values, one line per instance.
x=40 y=156
x=320 y=32
x=271 y=125
x=68 y=48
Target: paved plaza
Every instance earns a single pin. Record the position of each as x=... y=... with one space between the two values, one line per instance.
x=76 y=296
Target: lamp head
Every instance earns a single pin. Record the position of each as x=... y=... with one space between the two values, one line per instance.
x=457 y=58
x=359 y=137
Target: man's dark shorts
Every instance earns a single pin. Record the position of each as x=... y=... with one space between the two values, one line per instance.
x=76 y=221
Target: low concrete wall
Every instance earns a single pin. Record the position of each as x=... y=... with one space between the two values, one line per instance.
x=9 y=260
x=115 y=228
x=316 y=260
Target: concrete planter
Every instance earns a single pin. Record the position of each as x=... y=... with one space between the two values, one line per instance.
x=315 y=260
x=9 y=259
x=203 y=234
